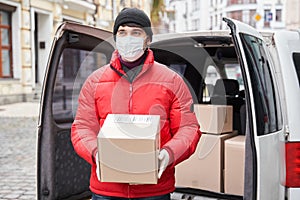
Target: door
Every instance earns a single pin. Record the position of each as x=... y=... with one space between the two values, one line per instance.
x=288 y=49
x=77 y=51
x=41 y=24
x=264 y=134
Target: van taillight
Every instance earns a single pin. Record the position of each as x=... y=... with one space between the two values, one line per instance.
x=292 y=157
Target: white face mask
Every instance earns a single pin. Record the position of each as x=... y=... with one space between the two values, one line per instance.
x=130 y=48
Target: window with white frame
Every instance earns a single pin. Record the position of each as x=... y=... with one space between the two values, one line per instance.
x=278 y=15
x=5 y=45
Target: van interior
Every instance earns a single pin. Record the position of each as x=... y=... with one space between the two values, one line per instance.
x=211 y=69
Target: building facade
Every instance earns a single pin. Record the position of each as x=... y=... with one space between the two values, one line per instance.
x=191 y=15
x=109 y=9
x=261 y=14
x=27 y=30
x=293 y=14
x=187 y=15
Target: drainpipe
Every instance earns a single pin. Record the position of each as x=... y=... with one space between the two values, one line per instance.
x=114 y=13
x=95 y=15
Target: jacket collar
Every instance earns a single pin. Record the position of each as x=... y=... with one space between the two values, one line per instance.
x=116 y=64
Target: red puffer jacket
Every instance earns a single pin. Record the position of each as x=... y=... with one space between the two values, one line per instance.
x=156 y=90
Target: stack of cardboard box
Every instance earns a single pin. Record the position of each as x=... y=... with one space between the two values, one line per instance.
x=205 y=168
x=128 y=148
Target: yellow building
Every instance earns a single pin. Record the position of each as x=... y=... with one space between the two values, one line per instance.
x=27 y=30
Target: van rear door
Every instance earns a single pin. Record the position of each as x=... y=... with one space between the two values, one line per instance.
x=264 y=134
x=77 y=51
x=287 y=44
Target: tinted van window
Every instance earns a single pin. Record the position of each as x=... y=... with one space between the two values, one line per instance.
x=74 y=67
x=296 y=58
x=212 y=75
x=262 y=85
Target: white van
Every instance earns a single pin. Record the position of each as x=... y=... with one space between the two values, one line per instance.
x=260 y=72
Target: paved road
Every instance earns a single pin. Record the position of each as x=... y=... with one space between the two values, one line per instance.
x=18 y=124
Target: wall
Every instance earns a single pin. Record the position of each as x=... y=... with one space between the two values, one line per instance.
x=33 y=27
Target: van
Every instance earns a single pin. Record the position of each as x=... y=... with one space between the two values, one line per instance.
x=259 y=76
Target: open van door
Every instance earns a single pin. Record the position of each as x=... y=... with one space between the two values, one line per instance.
x=264 y=132
x=287 y=44
x=77 y=51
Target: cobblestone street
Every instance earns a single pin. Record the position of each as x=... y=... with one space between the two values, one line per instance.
x=17 y=155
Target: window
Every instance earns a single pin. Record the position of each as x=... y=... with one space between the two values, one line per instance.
x=238 y=15
x=196 y=5
x=233 y=71
x=179 y=68
x=268 y=18
x=234 y=2
x=212 y=75
x=252 y=20
x=296 y=59
x=278 y=15
x=5 y=45
x=211 y=22
x=268 y=117
x=195 y=24
x=74 y=67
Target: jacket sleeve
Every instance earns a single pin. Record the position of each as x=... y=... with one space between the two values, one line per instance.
x=184 y=126
x=86 y=126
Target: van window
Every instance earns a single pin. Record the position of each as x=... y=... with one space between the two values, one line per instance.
x=296 y=58
x=212 y=75
x=262 y=85
x=74 y=67
x=179 y=68
x=233 y=71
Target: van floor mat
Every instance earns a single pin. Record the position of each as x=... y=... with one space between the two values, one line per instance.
x=193 y=194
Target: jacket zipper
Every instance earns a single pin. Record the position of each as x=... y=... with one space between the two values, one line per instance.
x=130 y=111
x=130 y=97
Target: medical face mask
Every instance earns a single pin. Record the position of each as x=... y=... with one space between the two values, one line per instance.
x=130 y=48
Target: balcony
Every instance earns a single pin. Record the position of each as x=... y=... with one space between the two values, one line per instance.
x=80 y=5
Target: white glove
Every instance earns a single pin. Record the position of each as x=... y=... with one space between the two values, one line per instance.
x=98 y=167
x=163 y=159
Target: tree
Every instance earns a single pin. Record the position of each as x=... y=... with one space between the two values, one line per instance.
x=157 y=11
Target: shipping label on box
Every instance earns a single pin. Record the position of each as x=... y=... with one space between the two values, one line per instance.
x=128 y=147
x=204 y=169
x=215 y=119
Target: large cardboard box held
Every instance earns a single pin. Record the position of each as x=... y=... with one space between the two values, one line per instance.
x=234 y=165
x=204 y=169
x=215 y=119
x=128 y=148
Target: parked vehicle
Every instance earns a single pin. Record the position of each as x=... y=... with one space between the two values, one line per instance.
x=266 y=66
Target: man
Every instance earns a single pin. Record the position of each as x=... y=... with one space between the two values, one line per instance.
x=133 y=83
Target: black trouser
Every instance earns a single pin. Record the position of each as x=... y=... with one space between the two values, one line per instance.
x=161 y=197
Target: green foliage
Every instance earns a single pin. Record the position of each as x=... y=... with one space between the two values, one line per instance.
x=157 y=7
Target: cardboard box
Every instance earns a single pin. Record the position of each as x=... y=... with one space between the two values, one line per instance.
x=204 y=169
x=128 y=148
x=215 y=119
x=234 y=165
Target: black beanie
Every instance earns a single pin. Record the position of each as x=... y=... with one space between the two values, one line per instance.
x=136 y=16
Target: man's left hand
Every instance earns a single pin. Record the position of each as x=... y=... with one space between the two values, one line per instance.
x=163 y=158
